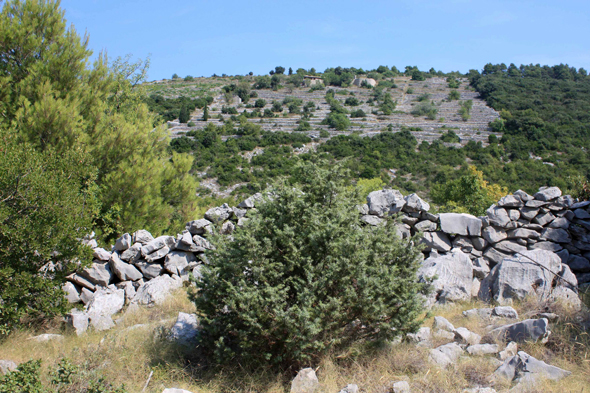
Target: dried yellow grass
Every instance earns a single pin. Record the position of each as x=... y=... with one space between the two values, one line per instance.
x=127 y=356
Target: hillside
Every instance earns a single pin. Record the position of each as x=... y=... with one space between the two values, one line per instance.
x=476 y=128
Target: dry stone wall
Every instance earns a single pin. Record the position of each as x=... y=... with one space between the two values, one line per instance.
x=524 y=243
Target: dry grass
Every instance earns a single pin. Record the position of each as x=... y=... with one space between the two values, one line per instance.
x=127 y=356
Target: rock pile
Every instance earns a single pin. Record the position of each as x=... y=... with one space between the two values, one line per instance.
x=524 y=244
x=143 y=270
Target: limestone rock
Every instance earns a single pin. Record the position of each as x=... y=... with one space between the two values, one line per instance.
x=494 y=235
x=157 y=244
x=78 y=320
x=567 y=297
x=400 y=387
x=578 y=264
x=445 y=355
x=482 y=349
x=72 y=294
x=372 y=220
x=460 y=224
x=149 y=270
x=422 y=337
x=101 y=254
x=505 y=312
x=556 y=235
x=104 y=304
x=157 y=255
x=510 y=350
x=81 y=281
x=547 y=246
x=510 y=201
x=132 y=254
x=219 y=214
x=454 y=274
x=482 y=313
x=415 y=204
x=436 y=241
x=498 y=216
x=305 y=382
x=142 y=236
x=7 y=366
x=524 y=368
x=156 y=290
x=509 y=247
x=543 y=218
x=350 y=388
x=129 y=289
x=547 y=194
x=250 y=202
x=186 y=328
x=385 y=201
x=177 y=261
x=123 y=270
x=480 y=268
x=123 y=243
x=43 y=338
x=98 y=273
x=199 y=227
x=441 y=323
x=465 y=336
x=425 y=226
x=530 y=273
x=86 y=295
x=527 y=330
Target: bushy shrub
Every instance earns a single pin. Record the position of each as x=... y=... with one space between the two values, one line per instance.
x=358 y=113
x=260 y=103
x=425 y=109
x=303 y=126
x=303 y=277
x=423 y=97
x=465 y=109
x=352 y=101
x=324 y=134
x=470 y=193
x=338 y=121
x=454 y=95
x=450 y=136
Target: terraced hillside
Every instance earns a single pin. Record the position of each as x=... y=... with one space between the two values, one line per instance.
x=406 y=94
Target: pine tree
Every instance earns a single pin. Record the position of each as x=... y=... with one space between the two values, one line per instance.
x=206 y=113
x=183 y=116
x=51 y=99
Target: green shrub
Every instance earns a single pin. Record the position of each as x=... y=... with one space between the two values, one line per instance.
x=65 y=378
x=338 y=121
x=303 y=126
x=410 y=91
x=324 y=134
x=303 y=277
x=423 y=97
x=358 y=113
x=451 y=137
x=465 y=109
x=260 y=103
x=352 y=101
x=425 y=109
x=454 y=95
x=190 y=124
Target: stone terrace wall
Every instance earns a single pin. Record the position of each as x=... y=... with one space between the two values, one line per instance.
x=144 y=269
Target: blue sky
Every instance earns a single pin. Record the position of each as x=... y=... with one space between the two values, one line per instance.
x=200 y=38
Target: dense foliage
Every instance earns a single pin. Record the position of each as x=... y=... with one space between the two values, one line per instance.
x=303 y=277
x=78 y=151
x=66 y=377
